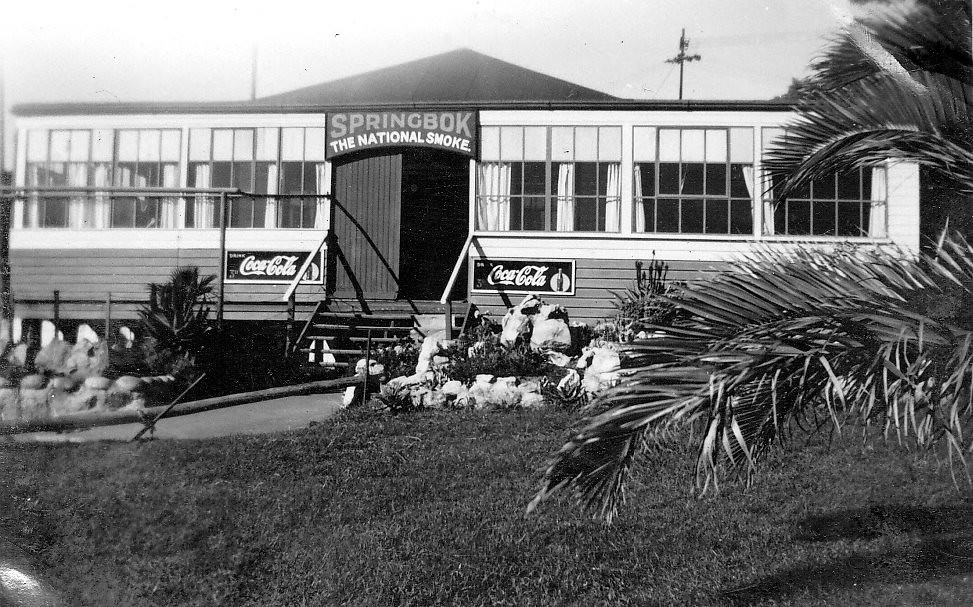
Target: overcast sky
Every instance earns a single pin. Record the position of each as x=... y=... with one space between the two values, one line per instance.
x=167 y=50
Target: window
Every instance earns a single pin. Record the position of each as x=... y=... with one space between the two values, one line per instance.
x=68 y=158
x=247 y=159
x=146 y=158
x=549 y=178
x=849 y=203
x=302 y=171
x=693 y=181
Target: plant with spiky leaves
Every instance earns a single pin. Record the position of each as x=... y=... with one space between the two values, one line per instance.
x=784 y=338
x=894 y=85
x=176 y=324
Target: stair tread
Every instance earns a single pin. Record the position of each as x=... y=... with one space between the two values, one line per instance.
x=376 y=339
x=362 y=327
x=407 y=317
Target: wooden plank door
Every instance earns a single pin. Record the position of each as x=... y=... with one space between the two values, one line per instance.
x=370 y=189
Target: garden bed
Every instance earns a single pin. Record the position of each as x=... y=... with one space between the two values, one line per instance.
x=429 y=509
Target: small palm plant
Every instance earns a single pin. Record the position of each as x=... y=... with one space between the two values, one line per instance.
x=176 y=322
x=783 y=337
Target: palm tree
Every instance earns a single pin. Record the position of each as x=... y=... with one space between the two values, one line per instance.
x=809 y=336
x=789 y=338
x=177 y=320
x=895 y=85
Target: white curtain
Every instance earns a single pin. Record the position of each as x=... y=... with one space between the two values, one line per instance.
x=169 y=207
x=565 y=197
x=204 y=204
x=879 y=206
x=748 y=181
x=639 y=201
x=614 y=194
x=77 y=176
x=101 y=214
x=493 y=210
x=270 y=213
x=770 y=227
x=321 y=207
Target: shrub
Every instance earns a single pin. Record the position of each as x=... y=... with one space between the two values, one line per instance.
x=486 y=355
x=176 y=322
x=645 y=304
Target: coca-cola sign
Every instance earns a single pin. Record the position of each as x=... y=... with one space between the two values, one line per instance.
x=553 y=276
x=272 y=267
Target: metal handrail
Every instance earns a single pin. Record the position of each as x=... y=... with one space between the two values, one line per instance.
x=307 y=263
x=456 y=268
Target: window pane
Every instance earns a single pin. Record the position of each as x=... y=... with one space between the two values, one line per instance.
x=310 y=178
x=243 y=144
x=291 y=179
x=669 y=145
x=585 y=215
x=489 y=143
x=647 y=208
x=585 y=178
x=562 y=143
x=149 y=142
x=516 y=178
x=717 y=212
x=223 y=144
x=646 y=178
x=534 y=213
x=60 y=146
x=849 y=185
x=512 y=143
x=715 y=178
x=824 y=218
x=716 y=145
x=823 y=188
x=535 y=180
x=739 y=186
x=148 y=175
x=36 y=145
x=171 y=144
x=692 y=146
x=221 y=175
x=667 y=215
x=692 y=178
x=741 y=217
x=780 y=218
x=101 y=145
x=668 y=178
x=516 y=213
x=146 y=212
x=314 y=144
x=644 y=144
x=199 y=144
x=535 y=143
x=289 y=213
x=586 y=143
x=243 y=176
x=692 y=216
x=610 y=143
x=123 y=212
x=798 y=217
x=80 y=142
x=292 y=144
x=55 y=213
x=741 y=145
x=241 y=212
x=308 y=213
x=849 y=219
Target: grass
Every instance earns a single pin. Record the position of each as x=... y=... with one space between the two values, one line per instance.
x=428 y=509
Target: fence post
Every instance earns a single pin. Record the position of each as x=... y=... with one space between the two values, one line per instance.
x=108 y=319
x=57 y=309
x=291 y=308
x=219 y=304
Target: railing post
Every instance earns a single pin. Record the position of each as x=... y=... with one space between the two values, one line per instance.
x=57 y=310
x=219 y=303
x=448 y=310
x=291 y=308
x=108 y=319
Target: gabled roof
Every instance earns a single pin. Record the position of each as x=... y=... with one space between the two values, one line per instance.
x=462 y=75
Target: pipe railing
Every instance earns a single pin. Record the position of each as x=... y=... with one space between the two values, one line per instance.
x=456 y=268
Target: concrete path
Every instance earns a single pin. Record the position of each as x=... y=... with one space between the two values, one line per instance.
x=278 y=415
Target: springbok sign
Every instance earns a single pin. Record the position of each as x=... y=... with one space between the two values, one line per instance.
x=272 y=267
x=350 y=132
x=553 y=277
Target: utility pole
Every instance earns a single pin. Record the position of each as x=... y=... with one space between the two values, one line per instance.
x=253 y=73
x=682 y=57
x=6 y=298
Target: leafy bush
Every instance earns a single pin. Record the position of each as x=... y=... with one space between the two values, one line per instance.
x=176 y=322
x=645 y=304
x=472 y=356
x=400 y=359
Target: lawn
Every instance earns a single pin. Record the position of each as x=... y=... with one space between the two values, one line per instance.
x=429 y=509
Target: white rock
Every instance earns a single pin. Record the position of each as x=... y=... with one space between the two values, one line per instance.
x=348 y=397
x=558 y=359
x=452 y=387
x=530 y=400
x=484 y=378
x=517 y=321
x=550 y=333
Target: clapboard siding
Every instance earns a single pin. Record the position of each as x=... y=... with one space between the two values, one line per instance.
x=597 y=282
x=90 y=275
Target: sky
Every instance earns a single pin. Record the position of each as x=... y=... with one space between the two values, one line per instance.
x=179 y=50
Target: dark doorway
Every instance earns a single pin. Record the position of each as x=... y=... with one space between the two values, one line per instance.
x=434 y=221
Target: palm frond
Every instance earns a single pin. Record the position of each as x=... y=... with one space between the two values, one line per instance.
x=809 y=335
